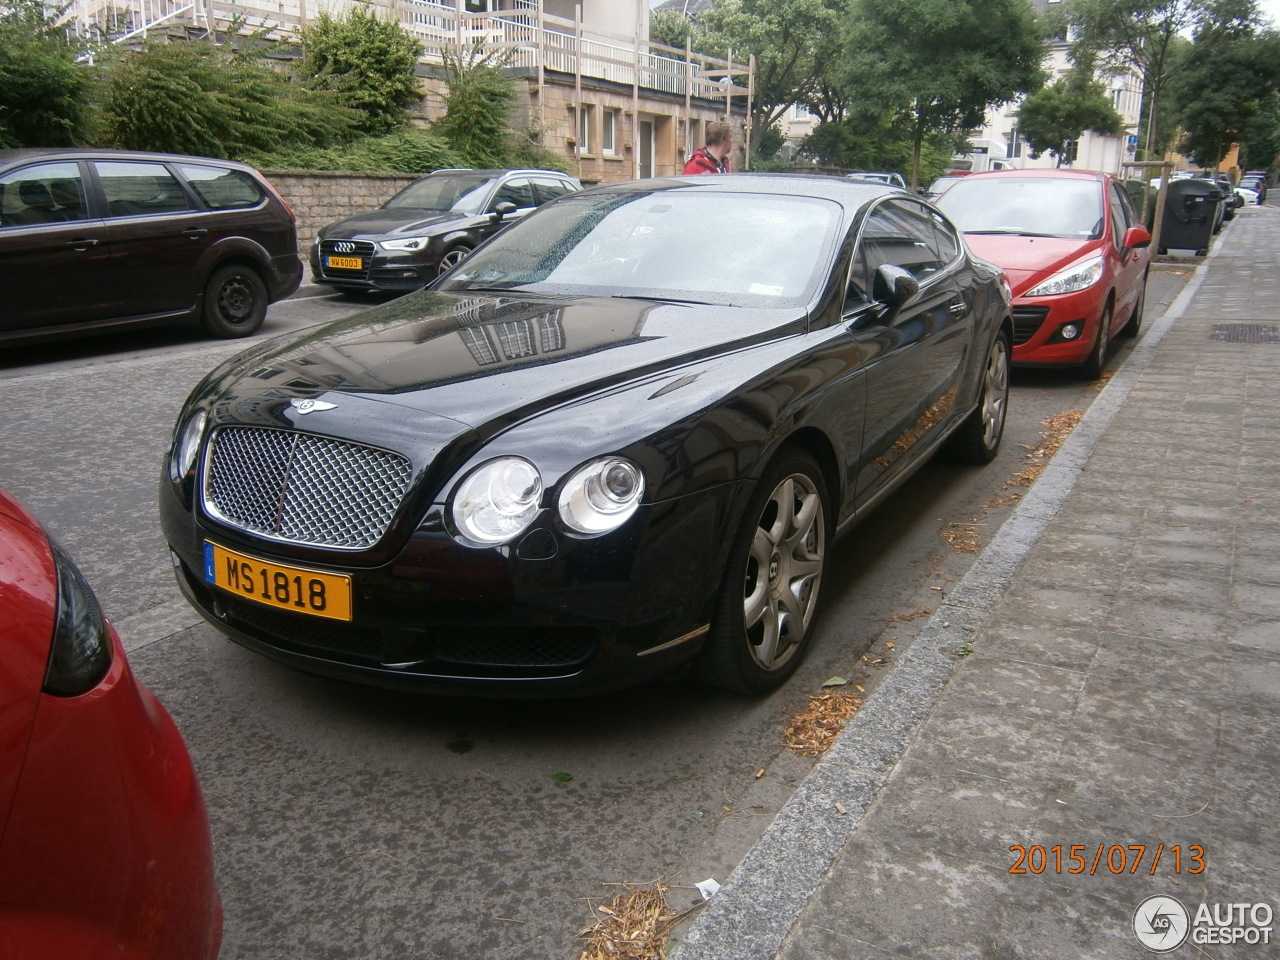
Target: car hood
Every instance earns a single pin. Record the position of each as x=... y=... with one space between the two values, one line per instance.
x=462 y=369
x=1028 y=260
x=395 y=223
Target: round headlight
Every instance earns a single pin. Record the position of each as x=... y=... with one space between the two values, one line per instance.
x=601 y=495
x=497 y=500
x=187 y=448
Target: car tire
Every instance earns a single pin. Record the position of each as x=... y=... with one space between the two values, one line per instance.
x=452 y=257
x=765 y=611
x=977 y=441
x=1134 y=323
x=235 y=302
x=1092 y=368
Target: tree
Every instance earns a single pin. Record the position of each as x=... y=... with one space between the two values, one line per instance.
x=939 y=64
x=784 y=36
x=195 y=97
x=1262 y=149
x=672 y=29
x=1054 y=116
x=1219 y=99
x=1149 y=35
x=42 y=89
x=879 y=142
x=478 y=107
x=366 y=60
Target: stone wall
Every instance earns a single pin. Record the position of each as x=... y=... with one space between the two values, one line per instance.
x=320 y=197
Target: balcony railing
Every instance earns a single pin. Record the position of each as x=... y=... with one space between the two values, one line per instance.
x=532 y=38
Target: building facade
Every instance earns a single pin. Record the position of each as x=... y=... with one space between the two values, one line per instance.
x=615 y=105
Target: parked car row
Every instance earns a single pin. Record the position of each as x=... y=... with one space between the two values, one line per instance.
x=591 y=449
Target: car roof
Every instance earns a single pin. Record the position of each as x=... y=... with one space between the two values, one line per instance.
x=832 y=186
x=22 y=154
x=1042 y=173
x=498 y=172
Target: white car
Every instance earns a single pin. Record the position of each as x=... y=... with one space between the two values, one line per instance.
x=1249 y=197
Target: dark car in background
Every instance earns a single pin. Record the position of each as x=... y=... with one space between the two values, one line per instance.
x=599 y=448
x=104 y=840
x=428 y=227
x=94 y=240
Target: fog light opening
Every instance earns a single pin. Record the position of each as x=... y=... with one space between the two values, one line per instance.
x=1069 y=331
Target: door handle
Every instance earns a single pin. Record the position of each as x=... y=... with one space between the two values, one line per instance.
x=84 y=243
x=957 y=308
x=195 y=233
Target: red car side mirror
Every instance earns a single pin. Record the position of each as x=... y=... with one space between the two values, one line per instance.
x=1136 y=237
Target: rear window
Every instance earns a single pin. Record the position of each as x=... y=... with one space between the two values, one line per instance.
x=221 y=188
x=140 y=189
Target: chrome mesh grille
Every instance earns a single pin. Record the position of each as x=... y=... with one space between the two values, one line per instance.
x=302 y=488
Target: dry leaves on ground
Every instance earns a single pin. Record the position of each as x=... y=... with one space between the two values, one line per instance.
x=635 y=926
x=811 y=731
x=1056 y=430
x=962 y=539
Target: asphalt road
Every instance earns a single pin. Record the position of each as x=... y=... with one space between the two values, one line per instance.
x=356 y=823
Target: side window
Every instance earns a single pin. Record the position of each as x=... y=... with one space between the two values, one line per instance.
x=42 y=193
x=858 y=293
x=518 y=191
x=549 y=189
x=220 y=188
x=948 y=240
x=1125 y=214
x=1118 y=225
x=902 y=233
x=137 y=189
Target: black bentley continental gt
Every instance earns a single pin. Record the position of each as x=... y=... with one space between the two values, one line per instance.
x=619 y=437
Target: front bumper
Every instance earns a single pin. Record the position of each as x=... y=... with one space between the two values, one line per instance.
x=545 y=616
x=1038 y=321
x=107 y=850
x=378 y=271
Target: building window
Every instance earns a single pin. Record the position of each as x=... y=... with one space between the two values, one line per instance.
x=1014 y=139
x=609 y=131
x=584 y=128
x=801 y=111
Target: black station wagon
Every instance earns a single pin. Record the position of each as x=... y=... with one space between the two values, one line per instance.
x=91 y=240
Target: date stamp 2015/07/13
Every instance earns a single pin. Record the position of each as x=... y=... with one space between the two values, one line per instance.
x=1112 y=858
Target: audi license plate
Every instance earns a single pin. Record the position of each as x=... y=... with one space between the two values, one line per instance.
x=344 y=263
x=275 y=585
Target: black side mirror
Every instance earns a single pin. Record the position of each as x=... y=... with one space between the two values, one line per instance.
x=894 y=286
x=503 y=209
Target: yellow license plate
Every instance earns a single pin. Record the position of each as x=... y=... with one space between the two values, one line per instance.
x=346 y=263
x=275 y=585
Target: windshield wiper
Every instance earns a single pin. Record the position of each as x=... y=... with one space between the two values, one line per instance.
x=641 y=296
x=1011 y=233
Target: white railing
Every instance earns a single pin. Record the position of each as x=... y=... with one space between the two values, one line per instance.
x=532 y=38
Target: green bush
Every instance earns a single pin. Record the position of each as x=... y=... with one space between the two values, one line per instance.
x=405 y=151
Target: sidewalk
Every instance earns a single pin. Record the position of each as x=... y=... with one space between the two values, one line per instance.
x=1123 y=691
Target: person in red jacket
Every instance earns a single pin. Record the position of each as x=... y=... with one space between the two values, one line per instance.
x=714 y=157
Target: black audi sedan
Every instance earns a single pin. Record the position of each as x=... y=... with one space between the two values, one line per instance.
x=619 y=437
x=428 y=227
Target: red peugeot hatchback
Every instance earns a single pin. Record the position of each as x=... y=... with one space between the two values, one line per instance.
x=104 y=841
x=1074 y=250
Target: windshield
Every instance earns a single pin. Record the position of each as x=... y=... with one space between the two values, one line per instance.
x=461 y=193
x=1025 y=206
x=675 y=244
